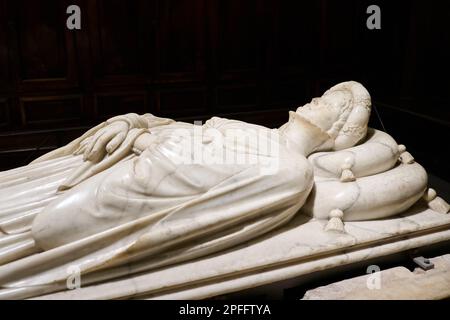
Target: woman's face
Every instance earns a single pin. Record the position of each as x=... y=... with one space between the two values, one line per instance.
x=326 y=110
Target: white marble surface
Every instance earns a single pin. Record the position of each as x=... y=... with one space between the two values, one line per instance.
x=397 y=283
x=140 y=193
x=297 y=249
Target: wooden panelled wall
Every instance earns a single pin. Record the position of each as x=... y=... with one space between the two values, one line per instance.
x=190 y=59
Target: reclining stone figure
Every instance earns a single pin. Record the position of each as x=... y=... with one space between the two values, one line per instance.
x=137 y=193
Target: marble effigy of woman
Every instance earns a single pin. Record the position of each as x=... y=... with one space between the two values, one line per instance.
x=124 y=197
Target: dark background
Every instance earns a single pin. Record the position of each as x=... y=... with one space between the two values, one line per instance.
x=251 y=60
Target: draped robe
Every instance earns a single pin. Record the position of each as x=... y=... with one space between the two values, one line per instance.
x=152 y=209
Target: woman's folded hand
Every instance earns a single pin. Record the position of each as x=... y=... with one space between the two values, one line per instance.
x=105 y=141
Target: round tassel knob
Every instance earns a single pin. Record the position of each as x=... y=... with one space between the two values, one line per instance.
x=347 y=174
x=401 y=148
x=436 y=203
x=405 y=156
x=430 y=195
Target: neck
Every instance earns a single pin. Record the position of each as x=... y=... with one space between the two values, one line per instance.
x=302 y=136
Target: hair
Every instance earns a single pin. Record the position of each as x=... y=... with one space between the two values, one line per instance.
x=352 y=124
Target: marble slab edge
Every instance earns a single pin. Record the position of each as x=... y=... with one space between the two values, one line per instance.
x=280 y=273
x=200 y=288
